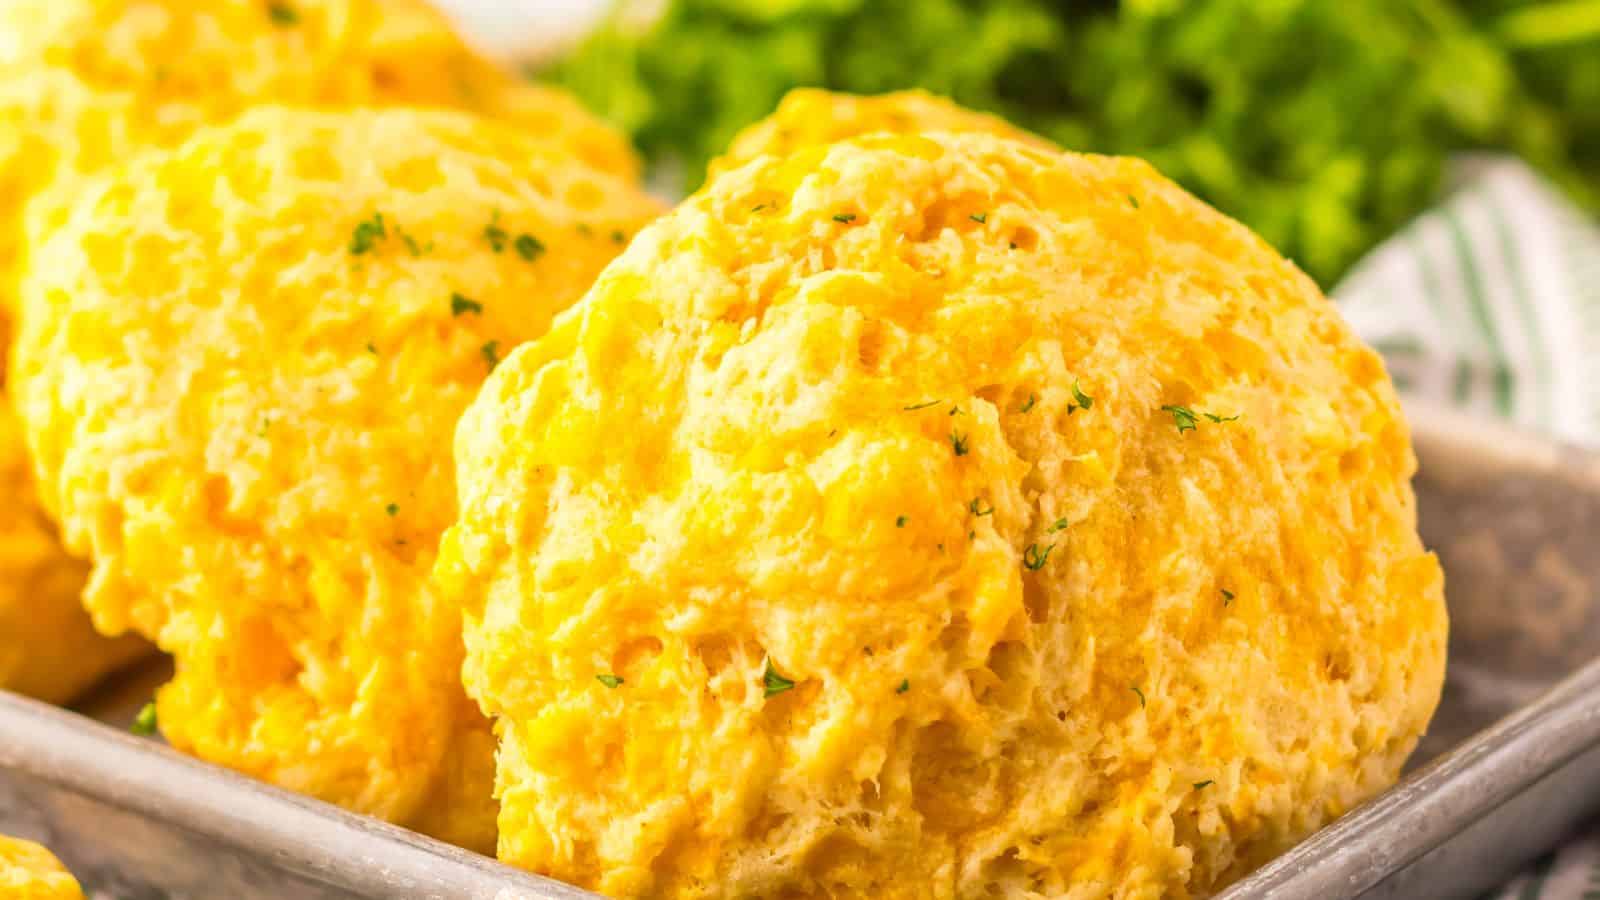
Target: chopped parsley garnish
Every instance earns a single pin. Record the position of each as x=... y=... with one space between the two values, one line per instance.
x=1033 y=400
x=846 y=218
x=773 y=682
x=922 y=405
x=144 y=724
x=529 y=247
x=1220 y=419
x=1227 y=596
x=1198 y=785
x=494 y=234
x=976 y=508
x=609 y=680
x=491 y=353
x=617 y=237
x=956 y=410
x=905 y=685
x=980 y=218
x=1133 y=200
x=758 y=207
x=282 y=14
x=1079 y=398
x=1141 y=695
x=367 y=234
x=460 y=304
x=900 y=521
x=1058 y=525
x=392 y=509
x=1035 y=558
x=958 y=443
x=411 y=242
x=371 y=349
x=1183 y=416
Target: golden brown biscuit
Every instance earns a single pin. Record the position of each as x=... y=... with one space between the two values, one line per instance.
x=240 y=368
x=29 y=872
x=940 y=517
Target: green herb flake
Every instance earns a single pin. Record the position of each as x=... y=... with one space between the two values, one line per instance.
x=610 y=681
x=144 y=724
x=1227 y=597
x=1034 y=558
x=1058 y=525
x=905 y=685
x=460 y=304
x=1083 y=401
x=976 y=508
x=1033 y=400
x=491 y=353
x=773 y=682
x=980 y=218
x=1134 y=201
x=900 y=521
x=585 y=230
x=958 y=443
x=618 y=237
x=1141 y=695
x=372 y=349
x=392 y=509
x=367 y=234
x=1201 y=785
x=1220 y=419
x=758 y=207
x=917 y=406
x=1182 y=416
x=494 y=234
x=282 y=14
x=845 y=218
x=529 y=247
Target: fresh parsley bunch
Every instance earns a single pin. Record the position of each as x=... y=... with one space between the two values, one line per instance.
x=1323 y=124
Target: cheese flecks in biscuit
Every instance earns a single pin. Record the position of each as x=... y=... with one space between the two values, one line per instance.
x=86 y=83
x=240 y=368
x=940 y=516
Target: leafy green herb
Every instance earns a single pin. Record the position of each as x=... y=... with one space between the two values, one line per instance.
x=529 y=247
x=144 y=724
x=494 y=234
x=460 y=304
x=980 y=218
x=900 y=521
x=1079 y=398
x=758 y=207
x=1183 y=416
x=1034 y=558
x=976 y=508
x=846 y=218
x=922 y=405
x=372 y=349
x=1033 y=399
x=1134 y=201
x=366 y=235
x=491 y=353
x=958 y=443
x=610 y=681
x=392 y=509
x=1058 y=525
x=1220 y=419
x=282 y=14
x=617 y=237
x=773 y=682
x=905 y=685
x=1227 y=597
x=1141 y=695
x=1198 y=785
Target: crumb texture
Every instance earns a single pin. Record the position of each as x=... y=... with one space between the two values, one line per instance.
x=1076 y=517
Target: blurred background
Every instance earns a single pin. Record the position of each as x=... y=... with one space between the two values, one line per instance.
x=1323 y=124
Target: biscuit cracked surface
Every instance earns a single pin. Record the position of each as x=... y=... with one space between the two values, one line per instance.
x=940 y=516
x=240 y=369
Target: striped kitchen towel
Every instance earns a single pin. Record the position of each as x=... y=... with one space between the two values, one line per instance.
x=1491 y=302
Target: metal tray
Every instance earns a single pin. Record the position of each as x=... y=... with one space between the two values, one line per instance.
x=1511 y=764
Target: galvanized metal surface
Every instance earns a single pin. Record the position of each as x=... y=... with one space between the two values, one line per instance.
x=1514 y=518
